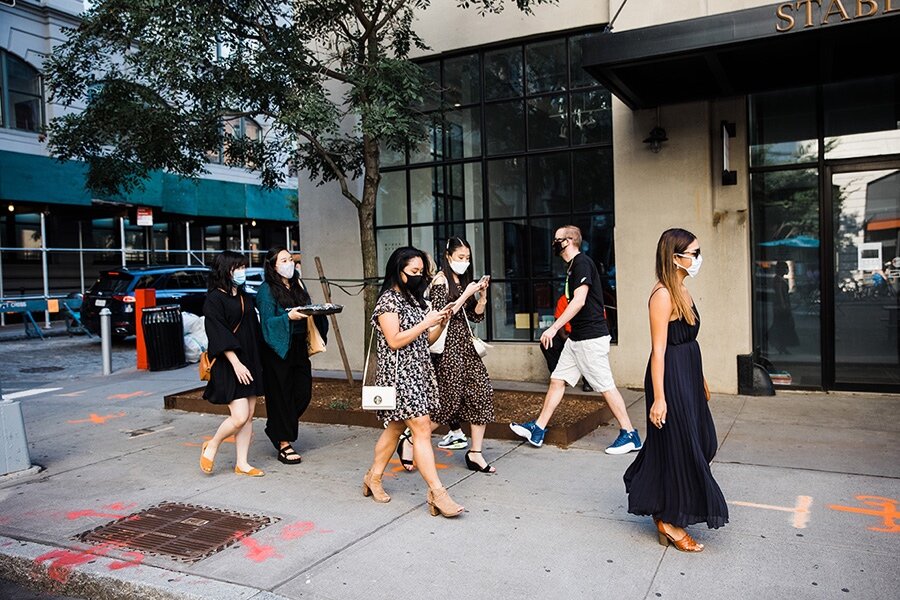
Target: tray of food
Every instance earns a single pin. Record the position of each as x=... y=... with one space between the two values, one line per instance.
x=319 y=309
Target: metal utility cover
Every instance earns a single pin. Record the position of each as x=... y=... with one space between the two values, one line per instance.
x=181 y=532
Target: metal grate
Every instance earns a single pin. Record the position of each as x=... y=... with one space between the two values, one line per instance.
x=182 y=532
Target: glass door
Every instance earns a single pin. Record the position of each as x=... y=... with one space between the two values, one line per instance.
x=865 y=203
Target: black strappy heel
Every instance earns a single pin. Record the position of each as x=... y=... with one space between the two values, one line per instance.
x=407 y=464
x=286 y=452
x=474 y=466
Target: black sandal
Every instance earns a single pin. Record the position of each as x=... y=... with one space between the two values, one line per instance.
x=288 y=451
x=474 y=466
x=407 y=464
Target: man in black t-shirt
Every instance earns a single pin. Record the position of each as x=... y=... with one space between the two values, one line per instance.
x=586 y=351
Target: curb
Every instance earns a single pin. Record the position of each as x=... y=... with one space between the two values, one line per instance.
x=84 y=572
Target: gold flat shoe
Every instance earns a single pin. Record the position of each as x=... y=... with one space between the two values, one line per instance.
x=253 y=472
x=206 y=465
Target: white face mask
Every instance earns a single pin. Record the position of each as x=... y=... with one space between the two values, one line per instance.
x=696 y=261
x=286 y=270
x=459 y=267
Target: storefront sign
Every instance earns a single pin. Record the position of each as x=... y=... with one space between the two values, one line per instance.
x=816 y=13
x=144 y=216
x=869 y=256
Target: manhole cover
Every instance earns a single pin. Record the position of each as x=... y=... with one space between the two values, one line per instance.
x=51 y=369
x=182 y=532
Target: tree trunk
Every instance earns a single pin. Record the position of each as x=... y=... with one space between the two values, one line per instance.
x=366 y=211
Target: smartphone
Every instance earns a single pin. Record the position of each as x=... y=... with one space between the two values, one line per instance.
x=484 y=279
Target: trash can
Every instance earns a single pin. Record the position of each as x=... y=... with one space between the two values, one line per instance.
x=164 y=337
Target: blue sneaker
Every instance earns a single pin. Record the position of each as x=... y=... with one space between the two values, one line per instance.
x=628 y=441
x=530 y=431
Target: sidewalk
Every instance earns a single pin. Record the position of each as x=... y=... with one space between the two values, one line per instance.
x=812 y=481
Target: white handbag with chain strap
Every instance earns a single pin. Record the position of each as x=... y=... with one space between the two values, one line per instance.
x=379 y=397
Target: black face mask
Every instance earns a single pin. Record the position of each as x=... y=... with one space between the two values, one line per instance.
x=557 y=247
x=416 y=284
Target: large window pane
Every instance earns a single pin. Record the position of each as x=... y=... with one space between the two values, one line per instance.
x=543 y=262
x=548 y=184
x=425 y=238
x=386 y=241
x=546 y=69
x=786 y=303
x=462 y=80
x=26 y=111
x=22 y=77
x=505 y=127
x=430 y=148
x=579 y=77
x=509 y=249
x=463 y=133
x=506 y=187
x=426 y=194
x=593 y=180
x=503 y=73
x=390 y=206
x=510 y=316
x=862 y=118
x=464 y=195
x=390 y=157
x=591 y=117
x=548 y=122
x=432 y=93
x=783 y=127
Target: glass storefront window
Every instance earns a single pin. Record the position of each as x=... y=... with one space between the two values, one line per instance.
x=862 y=118
x=786 y=274
x=512 y=154
x=388 y=240
x=548 y=184
x=462 y=80
x=431 y=99
x=505 y=127
x=783 y=127
x=503 y=73
x=390 y=206
x=546 y=66
x=506 y=187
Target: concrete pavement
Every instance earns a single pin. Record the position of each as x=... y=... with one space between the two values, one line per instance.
x=812 y=480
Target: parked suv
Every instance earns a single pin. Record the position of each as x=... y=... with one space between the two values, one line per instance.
x=184 y=286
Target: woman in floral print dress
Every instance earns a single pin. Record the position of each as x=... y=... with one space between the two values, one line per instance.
x=403 y=330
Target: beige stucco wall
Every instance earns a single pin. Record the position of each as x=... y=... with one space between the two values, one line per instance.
x=680 y=186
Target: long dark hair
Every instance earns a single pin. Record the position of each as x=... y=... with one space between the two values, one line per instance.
x=286 y=298
x=222 y=266
x=454 y=290
x=395 y=264
x=671 y=242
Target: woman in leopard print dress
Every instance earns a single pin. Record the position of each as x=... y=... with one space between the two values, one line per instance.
x=403 y=329
x=465 y=388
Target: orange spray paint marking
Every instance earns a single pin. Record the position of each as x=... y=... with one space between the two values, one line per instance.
x=64 y=560
x=890 y=518
x=95 y=418
x=800 y=510
x=120 y=506
x=257 y=552
x=77 y=514
x=127 y=396
x=297 y=530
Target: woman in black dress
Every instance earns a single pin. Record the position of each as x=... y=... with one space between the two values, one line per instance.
x=285 y=354
x=670 y=478
x=236 y=375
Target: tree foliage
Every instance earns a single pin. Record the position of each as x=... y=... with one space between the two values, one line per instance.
x=330 y=79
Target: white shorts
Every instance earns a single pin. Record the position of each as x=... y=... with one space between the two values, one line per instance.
x=588 y=359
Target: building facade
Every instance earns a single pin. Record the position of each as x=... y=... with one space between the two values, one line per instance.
x=684 y=114
x=48 y=213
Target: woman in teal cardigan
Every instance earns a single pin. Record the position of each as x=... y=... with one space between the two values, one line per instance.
x=285 y=359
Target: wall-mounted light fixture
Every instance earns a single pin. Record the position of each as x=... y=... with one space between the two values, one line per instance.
x=252 y=223
x=729 y=130
x=657 y=136
x=11 y=208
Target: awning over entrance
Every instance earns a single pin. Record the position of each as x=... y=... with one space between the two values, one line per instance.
x=779 y=46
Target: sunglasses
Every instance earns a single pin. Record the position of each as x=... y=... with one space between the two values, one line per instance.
x=693 y=253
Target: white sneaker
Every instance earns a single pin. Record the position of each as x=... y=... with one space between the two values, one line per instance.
x=455 y=440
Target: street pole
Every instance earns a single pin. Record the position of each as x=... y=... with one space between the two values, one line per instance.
x=44 y=267
x=106 y=340
x=13 y=443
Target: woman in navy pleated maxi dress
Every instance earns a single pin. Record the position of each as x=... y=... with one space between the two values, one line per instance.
x=670 y=479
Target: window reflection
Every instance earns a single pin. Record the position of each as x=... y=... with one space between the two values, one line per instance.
x=506 y=187
x=503 y=73
x=390 y=206
x=21 y=93
x=862 y=118
x=783 y=127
